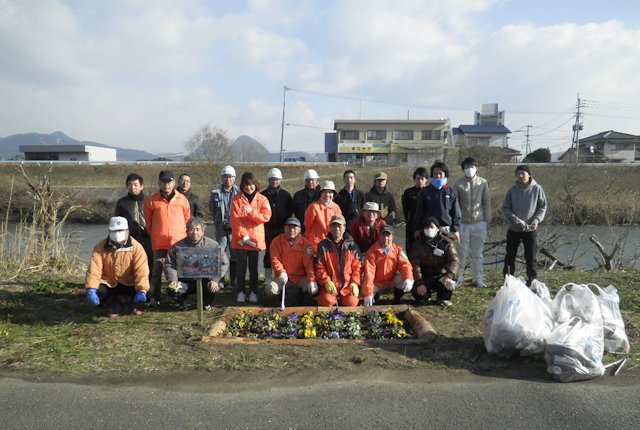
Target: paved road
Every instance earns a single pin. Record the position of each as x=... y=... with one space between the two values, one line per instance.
x=464 y=403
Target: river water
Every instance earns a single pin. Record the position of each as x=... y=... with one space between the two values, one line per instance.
x=569 y=244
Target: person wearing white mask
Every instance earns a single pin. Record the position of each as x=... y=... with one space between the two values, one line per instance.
x=435 y=264
x=118 y=274
x=440 y=201
x=474 y=199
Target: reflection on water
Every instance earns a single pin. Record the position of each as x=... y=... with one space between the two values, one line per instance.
x=569 y=244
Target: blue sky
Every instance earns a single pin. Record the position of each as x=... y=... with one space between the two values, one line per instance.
x=148 y=74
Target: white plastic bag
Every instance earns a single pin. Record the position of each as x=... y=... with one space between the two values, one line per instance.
x=574 y=351
x=575 y=348
x=516 y=319
x=615 y=336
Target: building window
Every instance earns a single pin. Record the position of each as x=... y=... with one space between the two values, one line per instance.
x=621 y=146
x=376 y=134
x=349 y=135
x=430 y=134
x=403 y=135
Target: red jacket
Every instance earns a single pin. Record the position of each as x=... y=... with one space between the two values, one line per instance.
x=249 y=224
x=380 y=269
x=166 y=219
x=296 y=259
x=364 y=237
x=316 y=221
x=339 y=263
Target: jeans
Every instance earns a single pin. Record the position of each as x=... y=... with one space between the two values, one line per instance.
x=528 y=240
x=472 y=239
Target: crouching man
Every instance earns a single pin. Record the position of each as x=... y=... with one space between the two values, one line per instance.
x=180 y=288
x=292 y=263
x=338 y=266
x=435 y=264
x=118 y=274
x=386 y=268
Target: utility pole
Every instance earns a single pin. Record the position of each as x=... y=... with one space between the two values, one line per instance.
x=284 y=100
x=528 y=145
x=577 y=127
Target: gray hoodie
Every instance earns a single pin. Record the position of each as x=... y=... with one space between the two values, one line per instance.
x=527 y=203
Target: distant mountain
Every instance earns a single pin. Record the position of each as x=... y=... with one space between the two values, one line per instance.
x=246 y=148
x=9 y=146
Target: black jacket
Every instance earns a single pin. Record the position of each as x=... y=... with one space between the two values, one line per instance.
x=350 y=209
x=302 y=200
x=281 y=209
x=132 y=208
x=194 y=204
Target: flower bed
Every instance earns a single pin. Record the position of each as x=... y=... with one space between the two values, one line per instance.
x=304 y=324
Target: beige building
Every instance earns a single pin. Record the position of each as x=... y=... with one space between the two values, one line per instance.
x=390 y=142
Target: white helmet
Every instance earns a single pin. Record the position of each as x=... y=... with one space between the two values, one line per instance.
x=228 y=170
x=311 y=174
x=274 y=173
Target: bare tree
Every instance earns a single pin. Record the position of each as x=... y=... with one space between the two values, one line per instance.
x=210 y=144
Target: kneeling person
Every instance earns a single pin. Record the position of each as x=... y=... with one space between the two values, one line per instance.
x=338 y=266
x=119 y=271
x=435 y=264
x=292 y=263
x=386 y=268
x=180 y=288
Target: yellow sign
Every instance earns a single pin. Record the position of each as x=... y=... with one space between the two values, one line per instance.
x=363 y=148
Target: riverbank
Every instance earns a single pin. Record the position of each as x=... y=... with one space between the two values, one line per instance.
x=577 y=194
x=46 y=328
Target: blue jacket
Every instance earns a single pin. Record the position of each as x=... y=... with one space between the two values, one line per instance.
x=442 y=204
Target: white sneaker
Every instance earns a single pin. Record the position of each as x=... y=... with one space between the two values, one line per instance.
x=242 y=297
x=253 y=298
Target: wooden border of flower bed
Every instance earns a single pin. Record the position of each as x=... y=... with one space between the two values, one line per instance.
x=423 y=329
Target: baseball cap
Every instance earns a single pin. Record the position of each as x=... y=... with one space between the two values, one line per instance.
x=166 y=175
x=293 y=221
x=388 y=228
x=371 y=206
x=338 y=219
x=380 y=175
x=118 y=223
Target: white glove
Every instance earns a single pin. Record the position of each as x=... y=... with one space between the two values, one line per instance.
x=284 y=278
x=313 y=288
x=448 y=283
x=407 y=285
x=247 y=241
x=368 y=301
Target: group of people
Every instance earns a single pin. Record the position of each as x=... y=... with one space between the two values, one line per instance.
x=321 y=245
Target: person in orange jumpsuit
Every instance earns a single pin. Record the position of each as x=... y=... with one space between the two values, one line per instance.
x=386 y=268
x=166 y=214
x=338 y=266
x=249 y=211
x=293 y=266
x=319 y=213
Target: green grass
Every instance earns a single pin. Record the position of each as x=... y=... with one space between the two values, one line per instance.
x=47 y=328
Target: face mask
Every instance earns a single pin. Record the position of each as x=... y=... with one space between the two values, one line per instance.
x=470 y=172
x=438 y=183
x=430 y=232
x=118 y=236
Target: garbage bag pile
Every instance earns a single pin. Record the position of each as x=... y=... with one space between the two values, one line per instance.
x=573 y=330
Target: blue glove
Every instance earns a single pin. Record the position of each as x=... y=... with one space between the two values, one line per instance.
x=140 y=297
x=92 y=296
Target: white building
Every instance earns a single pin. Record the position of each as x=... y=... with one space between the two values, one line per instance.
x=68 y=153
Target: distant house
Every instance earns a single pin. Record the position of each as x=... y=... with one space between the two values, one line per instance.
x=387 y=142
x=488 y=131
x=68 y=153
x=605 y=147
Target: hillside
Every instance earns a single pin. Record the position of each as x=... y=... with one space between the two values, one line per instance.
x=10 y=145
